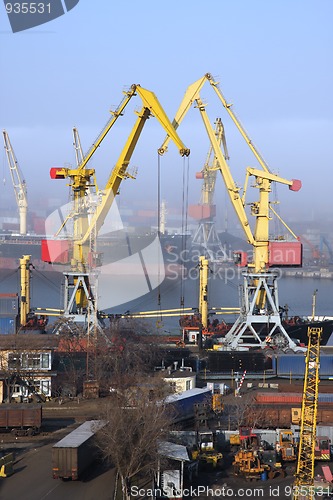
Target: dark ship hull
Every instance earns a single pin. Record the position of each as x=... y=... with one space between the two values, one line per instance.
x=298 y=329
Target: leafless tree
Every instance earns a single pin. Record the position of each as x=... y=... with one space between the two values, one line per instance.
x=242 y=411
x=137 y=420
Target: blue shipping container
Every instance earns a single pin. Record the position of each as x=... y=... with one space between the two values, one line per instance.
x=294 y=365
x=7 y=326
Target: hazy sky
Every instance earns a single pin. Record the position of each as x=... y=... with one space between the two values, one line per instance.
x=273 y=59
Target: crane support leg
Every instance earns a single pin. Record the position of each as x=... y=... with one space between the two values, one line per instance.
x=259 y=327
x=85 y=286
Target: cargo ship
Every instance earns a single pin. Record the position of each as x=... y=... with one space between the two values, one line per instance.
x=111 y=249
x=296 y=328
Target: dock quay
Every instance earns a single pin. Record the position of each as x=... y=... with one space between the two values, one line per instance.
x=310 y=273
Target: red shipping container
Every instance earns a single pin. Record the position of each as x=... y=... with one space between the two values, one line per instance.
x=285 y=253
x=200 y=212
x=279 y=398
x=55 y=251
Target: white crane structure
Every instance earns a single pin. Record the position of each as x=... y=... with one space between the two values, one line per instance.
x=20 y=188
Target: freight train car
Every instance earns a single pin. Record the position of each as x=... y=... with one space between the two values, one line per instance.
x=271 y=416
x=181 y=406
x=21 y=419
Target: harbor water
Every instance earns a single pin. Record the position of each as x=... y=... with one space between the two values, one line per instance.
x=47 y=291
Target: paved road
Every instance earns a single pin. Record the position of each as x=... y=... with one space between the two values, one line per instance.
x=33 y=480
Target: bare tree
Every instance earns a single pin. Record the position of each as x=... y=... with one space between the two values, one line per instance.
x=242 y=411
x=136 y=421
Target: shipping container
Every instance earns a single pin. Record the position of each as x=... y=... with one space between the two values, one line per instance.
x=201 y=212
x=73 y=454
x=278 y=398
x=290 y=365
x=285 y=253
x=8 y=325
x=25 y=417
x=9 y=304
x=182 y=405
x=55 y=251
x=325 y=398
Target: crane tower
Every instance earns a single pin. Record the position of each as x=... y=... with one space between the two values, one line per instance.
x=304 y=483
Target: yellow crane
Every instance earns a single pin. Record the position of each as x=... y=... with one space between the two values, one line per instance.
x=79 y=295
x=260 y=306
x=19 y=185
x=206 y=235
x=304 y=488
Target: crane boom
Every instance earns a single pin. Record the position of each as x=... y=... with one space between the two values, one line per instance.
x=259 y=298
x=115 y=115
x=192 y=93
x=86 y=225
x=210 y=168
x=151 y=106
x=77 y=147
x=259 y=238
x=206 y=236
x=19 y=185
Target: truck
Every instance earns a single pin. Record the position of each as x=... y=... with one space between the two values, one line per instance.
x=73 y=454
x=21 y=419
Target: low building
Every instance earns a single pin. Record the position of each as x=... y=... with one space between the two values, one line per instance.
x=180 y=380
x=26 y=369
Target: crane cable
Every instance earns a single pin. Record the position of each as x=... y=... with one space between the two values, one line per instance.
x=159 y=232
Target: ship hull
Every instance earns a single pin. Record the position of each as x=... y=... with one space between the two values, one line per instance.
x=299 y=330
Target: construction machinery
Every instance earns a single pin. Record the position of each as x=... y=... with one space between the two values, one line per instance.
x=251 y=460
x=322 y=448
x=260 y=305
x=19 y=184
x=87 y=220
x=286 y=446
x=247 y=464
x=206 y=450
x=304 y=485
